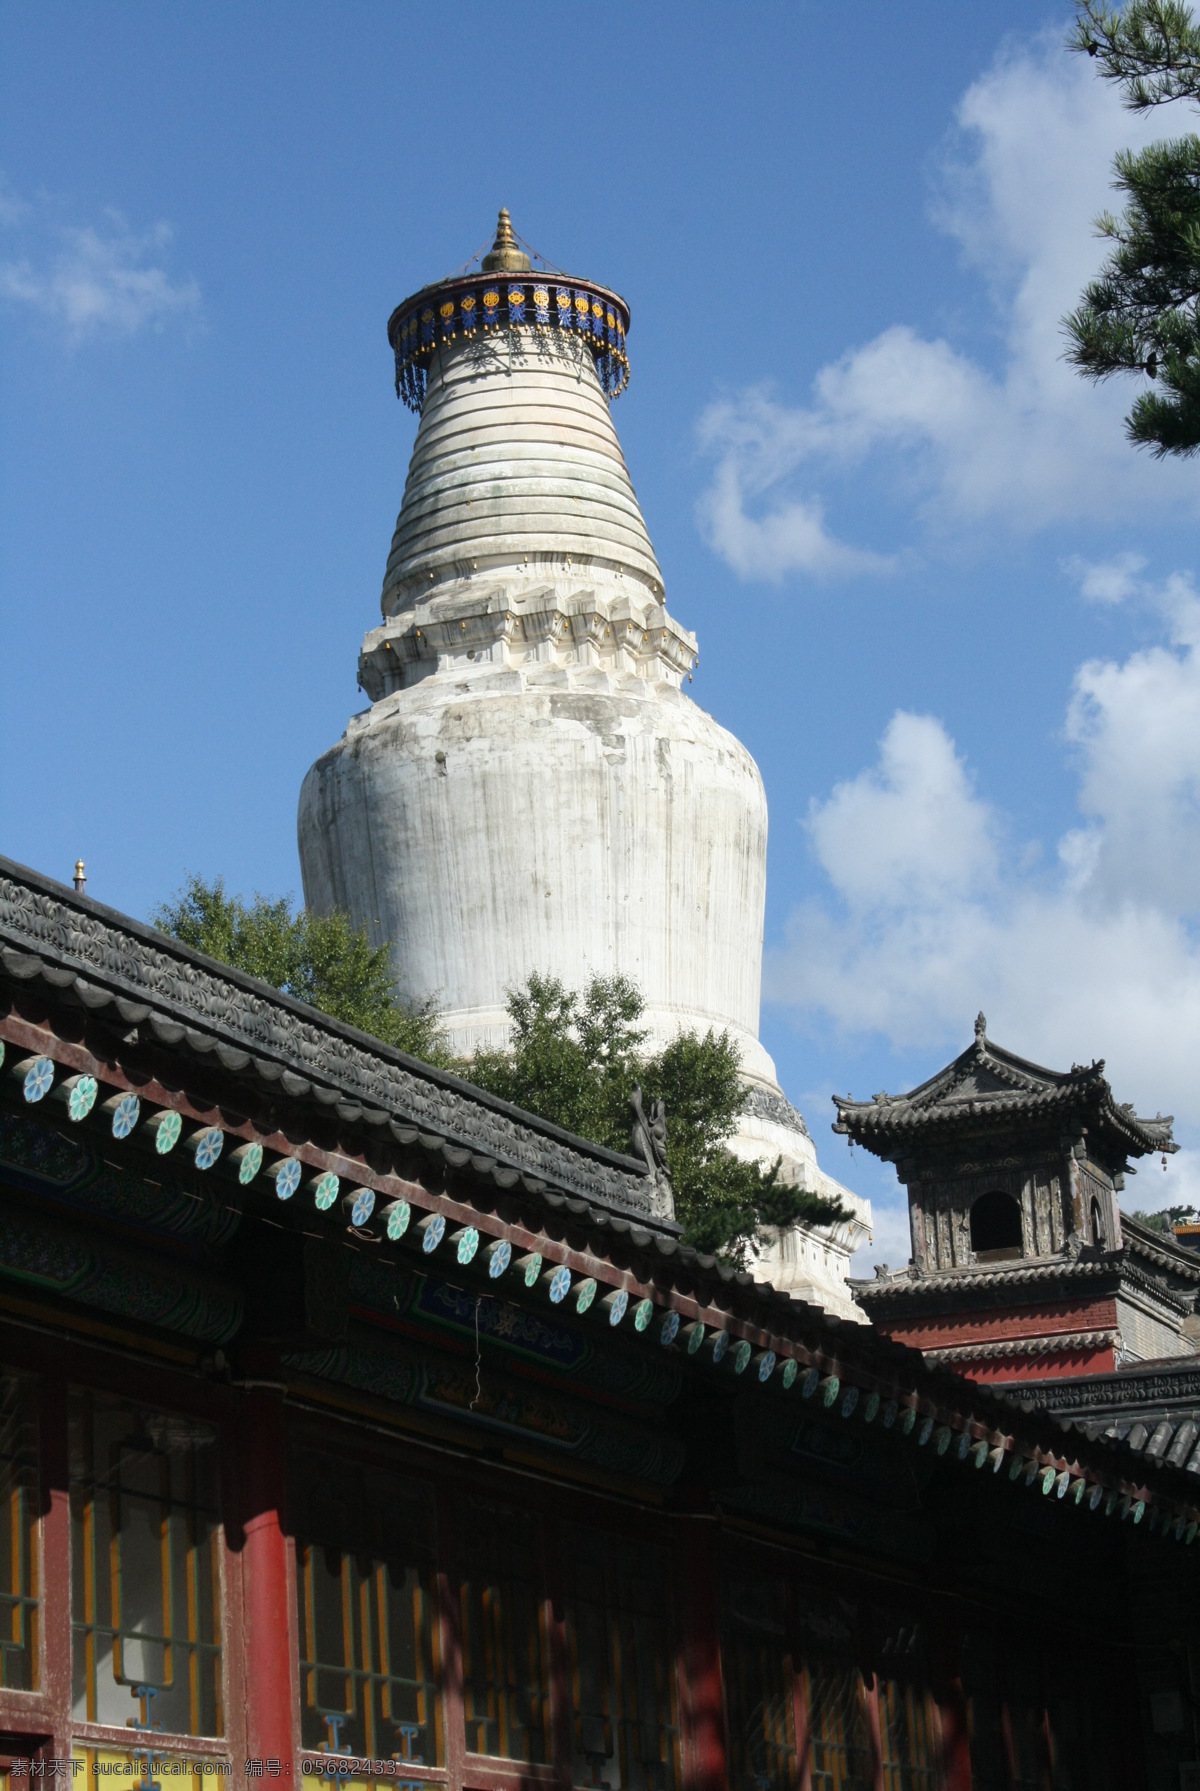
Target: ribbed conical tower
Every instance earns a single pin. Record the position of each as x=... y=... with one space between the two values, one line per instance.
x=530 y=789
x=517 y=467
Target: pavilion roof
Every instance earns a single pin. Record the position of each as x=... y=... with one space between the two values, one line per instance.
x=988 y=1088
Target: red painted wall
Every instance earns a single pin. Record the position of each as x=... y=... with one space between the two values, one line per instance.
x=1054 y=1318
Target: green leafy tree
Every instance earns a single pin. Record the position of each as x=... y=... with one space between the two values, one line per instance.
x=1166 y=1219
x=321 y=959
x=1141 y=314
x=574 y=1058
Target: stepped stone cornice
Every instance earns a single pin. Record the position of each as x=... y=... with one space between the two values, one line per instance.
x=998 y=1284
x=1152 y=1409
x=1172 y=1381
x=526 y=629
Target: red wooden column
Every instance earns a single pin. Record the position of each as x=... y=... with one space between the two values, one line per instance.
x=951 y=1700
x=267 y=1666
x=702 y=1705
x=56 y=1548
x=874 y=1732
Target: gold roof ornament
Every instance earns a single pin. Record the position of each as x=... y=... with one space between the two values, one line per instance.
x=505 y=255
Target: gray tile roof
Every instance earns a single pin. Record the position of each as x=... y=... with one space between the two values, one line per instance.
x=989 y=1086
x=1151 y=1409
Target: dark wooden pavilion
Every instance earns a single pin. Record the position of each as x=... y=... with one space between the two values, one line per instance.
x=1023 y=1265
x=359 y=1426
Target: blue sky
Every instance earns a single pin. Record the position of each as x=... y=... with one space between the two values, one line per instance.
x=945 y=605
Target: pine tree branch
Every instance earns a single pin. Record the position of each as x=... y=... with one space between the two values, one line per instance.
x=1151 y=49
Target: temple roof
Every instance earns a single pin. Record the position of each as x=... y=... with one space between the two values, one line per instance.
x=276 y=1107
x=1152 y=1408
x=987 y=1087
x=181 y=998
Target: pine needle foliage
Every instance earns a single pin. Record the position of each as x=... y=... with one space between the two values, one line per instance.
x=1166 y=1219
x=574 y=1058
x=1152 y=49
x=1141 y=315
x=321 y=959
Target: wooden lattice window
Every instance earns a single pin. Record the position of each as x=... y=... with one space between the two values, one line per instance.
x=870 y=1719
x=1033 y=1721
x=1087 y=1729
x=757 y=1669
x=1027 y=1731
x=624 y=1698
x=19 y=1592
x=1005 y=1718
x=140 y=1769
x=145 y=1580
x=370 y=1674
x=907 y=1736
x=839 y=1736
x=506 y=1689
x=987 y=1717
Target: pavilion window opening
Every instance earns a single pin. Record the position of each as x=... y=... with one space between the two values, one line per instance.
x=146 y=1608
x=1099 y=1235
x=996 y=1227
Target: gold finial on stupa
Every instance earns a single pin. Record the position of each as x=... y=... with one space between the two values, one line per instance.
x=505 y=256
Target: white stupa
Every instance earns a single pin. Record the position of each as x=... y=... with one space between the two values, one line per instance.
x=530 y=789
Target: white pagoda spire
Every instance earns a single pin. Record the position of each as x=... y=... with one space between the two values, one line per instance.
x=530 y=789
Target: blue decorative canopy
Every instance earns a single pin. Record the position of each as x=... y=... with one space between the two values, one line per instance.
x=506 y=295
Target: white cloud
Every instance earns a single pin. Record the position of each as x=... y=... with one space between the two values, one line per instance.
x=1106 y=581
x=94 y=280
x=12 y=207
x=792 y=536
x=1179 y=1186
x=932 y=912
x=1021 y=445
x=1137 y=729
x=910 y=829
x=891 y=1238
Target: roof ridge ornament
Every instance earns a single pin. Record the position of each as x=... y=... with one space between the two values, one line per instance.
x=981 y=1028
